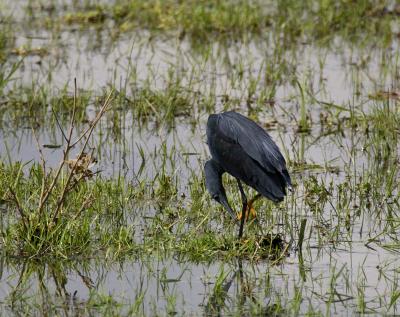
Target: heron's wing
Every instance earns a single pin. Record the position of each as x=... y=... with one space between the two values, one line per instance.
x=254 y=141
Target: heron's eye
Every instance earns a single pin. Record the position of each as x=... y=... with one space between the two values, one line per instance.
x=215 y=196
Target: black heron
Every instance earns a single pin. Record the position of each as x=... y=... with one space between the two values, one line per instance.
x=243 y=149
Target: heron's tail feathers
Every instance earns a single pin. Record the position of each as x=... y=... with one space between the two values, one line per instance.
x=288 y=181
x=273 y=186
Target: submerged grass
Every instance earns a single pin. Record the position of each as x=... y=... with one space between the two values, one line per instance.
x=7 y=37
x=344 y=206
x=295 y=21
x=197 y=18
x=93 y=219
x=36 y=105
x=80 y=227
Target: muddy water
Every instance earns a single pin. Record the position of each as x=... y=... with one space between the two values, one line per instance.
x=346 y=272
x=190 y=286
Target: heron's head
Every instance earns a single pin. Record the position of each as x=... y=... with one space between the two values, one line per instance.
x=213 y=173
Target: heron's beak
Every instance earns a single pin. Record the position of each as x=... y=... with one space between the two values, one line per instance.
x=224 y=202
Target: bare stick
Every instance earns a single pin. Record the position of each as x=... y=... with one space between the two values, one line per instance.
x=65 y=156
x=39 y=148
x=89 y=133
x=72 y=124
x=19 y=208
x=88 y=201
x=59 y=125
x=99 y=115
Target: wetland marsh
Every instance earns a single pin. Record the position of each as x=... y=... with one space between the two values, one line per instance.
x=130 y=85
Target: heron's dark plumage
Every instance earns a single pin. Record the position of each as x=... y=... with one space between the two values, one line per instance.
x=243 y=149
x=213 y=172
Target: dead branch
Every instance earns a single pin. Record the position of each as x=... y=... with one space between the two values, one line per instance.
x=88 y=132
x=19 y=207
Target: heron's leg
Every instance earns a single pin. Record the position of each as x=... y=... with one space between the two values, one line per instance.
x=250 y=205
x=250 y=209
x=244 y=208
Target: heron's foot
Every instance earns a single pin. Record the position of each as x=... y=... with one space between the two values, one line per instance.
x=250 y=212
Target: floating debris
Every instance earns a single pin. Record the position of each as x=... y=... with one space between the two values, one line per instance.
x=384 y=95
x=29 y=51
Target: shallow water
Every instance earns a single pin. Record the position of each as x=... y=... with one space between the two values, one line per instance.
x=345 y=276
x=327 y=274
